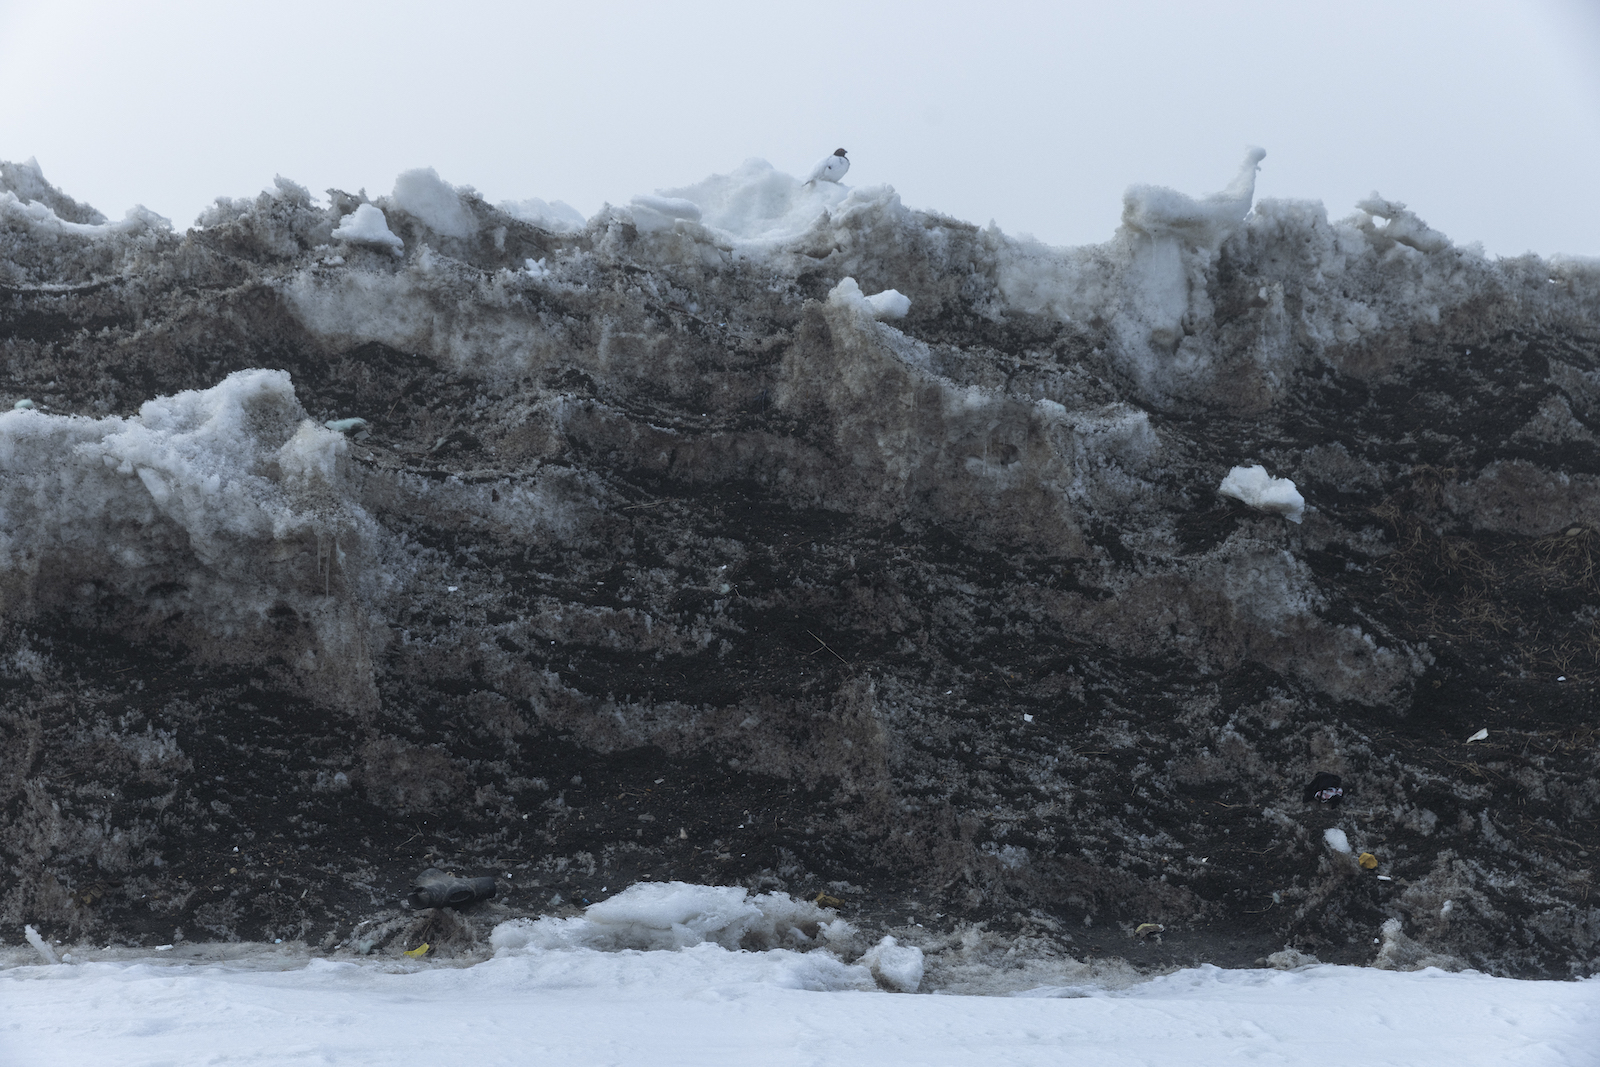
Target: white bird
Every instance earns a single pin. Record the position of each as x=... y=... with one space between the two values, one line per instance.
x=831 y=169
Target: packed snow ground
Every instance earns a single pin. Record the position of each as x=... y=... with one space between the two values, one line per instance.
x=656 y=976
x=708 y=1006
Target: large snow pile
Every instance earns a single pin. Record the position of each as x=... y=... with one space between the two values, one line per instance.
x=548 y=398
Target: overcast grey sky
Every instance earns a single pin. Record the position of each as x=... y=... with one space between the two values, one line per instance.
x=1483 y=116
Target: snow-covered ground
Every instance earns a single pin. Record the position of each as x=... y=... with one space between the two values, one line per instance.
x=707 y=1006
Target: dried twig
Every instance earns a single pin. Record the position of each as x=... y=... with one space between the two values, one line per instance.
x=824 y=644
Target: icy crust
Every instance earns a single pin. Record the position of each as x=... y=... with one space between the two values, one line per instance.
x=225 y=506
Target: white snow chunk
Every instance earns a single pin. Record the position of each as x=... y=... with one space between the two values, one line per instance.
x=434 y=202
x=653 y=214
x=1156 y=210
x=758 y=206
x=1335 y=839
x=39 y=216
x=556 y=216
x=678 y=915
x=366 y=225
x=888 y=304
x=1403 y=226
x=1255 y=487
x=895 y=966
x=39 y=944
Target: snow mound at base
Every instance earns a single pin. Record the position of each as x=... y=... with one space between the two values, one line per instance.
x=677 y=915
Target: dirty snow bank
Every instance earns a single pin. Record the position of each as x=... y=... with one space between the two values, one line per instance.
x=224 y=506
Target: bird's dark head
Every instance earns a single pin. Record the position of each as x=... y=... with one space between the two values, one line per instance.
x=838 y=151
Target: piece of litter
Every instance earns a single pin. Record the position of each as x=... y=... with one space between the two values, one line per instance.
x=1335 y=839
x=418 y=952
x=1368 y=861
x=1027 y=718
x=1562 y=678
x=277 y=941
x=1325 y=788
x=451 y=588
x=1479 y=736
x=163 y=948
x=1384 y=878
x=1146 y=929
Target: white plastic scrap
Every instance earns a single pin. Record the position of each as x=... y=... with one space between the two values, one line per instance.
x=1255 y=487
x=1336 y=839
x=1479 y=736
